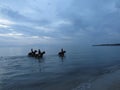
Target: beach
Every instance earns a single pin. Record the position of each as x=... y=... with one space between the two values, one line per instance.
x=110 y=81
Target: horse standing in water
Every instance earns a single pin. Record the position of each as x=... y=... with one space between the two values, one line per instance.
x=61 y=54
x=38 y=55
x=32 y=53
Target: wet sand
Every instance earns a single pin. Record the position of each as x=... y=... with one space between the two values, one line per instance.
x=109 y=81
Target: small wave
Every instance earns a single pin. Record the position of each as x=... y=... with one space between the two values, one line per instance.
x=83 y=86
x=11 y=57
x=109 y=69
x=16 y=57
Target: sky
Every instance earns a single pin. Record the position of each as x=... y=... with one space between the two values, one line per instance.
x=37 y=22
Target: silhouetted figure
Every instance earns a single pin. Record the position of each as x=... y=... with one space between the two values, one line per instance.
x=31 y=50
x=35 y=54
x=61 y=54
x=39 y=52
x=62 y=50
x=40 y=55
x=31 y=53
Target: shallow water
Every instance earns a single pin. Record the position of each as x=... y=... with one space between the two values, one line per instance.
x=79 y=67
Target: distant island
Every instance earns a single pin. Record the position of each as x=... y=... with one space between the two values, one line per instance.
x=118 y=44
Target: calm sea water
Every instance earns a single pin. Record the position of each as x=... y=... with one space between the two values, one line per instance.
x=80 y=66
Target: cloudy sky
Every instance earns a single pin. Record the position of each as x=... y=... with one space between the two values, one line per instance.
x=28 y=22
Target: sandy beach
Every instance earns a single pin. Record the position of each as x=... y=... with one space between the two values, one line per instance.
x=110 y=81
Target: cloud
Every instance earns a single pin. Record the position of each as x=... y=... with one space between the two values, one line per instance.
x=58 y=21
x=13 y=35
x=91 y=18
x=4 y=23
x=3 y=26
x=44 y=28
x=12 y=14
x=16 y=38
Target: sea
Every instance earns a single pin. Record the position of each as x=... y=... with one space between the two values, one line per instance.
x=80 y=66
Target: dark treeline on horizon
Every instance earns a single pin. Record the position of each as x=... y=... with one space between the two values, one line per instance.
x=117 y=44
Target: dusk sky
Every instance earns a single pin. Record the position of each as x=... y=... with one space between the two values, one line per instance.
x=28 y=22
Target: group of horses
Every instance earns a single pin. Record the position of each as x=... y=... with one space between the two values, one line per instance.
x=39 y=54
x=36 y=54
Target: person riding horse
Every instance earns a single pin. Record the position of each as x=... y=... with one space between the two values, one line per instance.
x=61 y=54
x=32 y=53
x=38 y=55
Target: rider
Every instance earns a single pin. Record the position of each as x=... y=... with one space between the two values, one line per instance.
x=39 y=51
x=62 y=50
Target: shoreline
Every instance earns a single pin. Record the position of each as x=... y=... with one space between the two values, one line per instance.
x=110 y=81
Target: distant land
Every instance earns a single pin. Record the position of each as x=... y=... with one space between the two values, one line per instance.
x=118 y=44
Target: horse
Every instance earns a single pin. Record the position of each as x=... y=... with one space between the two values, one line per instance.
x=32 y=54
x=39 y=55
x=61 y=54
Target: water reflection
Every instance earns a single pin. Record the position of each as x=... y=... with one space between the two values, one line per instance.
x=41 y=60
x=62 y=58
x=41 y=64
